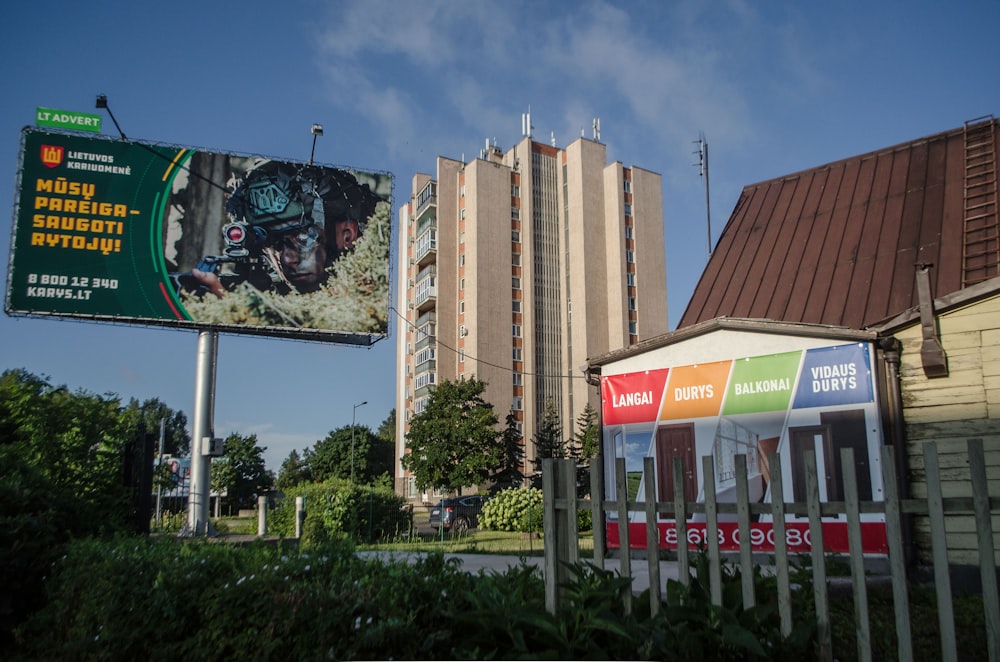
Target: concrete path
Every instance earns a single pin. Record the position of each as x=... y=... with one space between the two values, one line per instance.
x=473 y=563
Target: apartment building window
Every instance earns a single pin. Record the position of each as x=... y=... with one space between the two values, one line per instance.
x=628 y=208
x=515 y=259
x=515 y=213
x=515 y=236
x=632 y=329
x=515 y=191
x=518 y=355
x=462 y=213
x=515 y=306
x=517 y=404
x=515 y=282
x=516 y=330
x=631 y=303
x=461 y=283
x=461 y=306
x=628 y=231
x=461 y=260
x=630 y=256
x=461 y=356
x=628 y=185
x=425 y=379
x=518 y=379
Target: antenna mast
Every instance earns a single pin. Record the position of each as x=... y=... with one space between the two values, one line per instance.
x=703 y=172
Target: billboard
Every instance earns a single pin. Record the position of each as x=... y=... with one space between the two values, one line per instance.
x=126 y=231
x=820 y=399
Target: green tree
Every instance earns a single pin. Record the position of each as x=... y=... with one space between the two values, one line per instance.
x=453 y=442
x=549 y=441
x=62 y=456
x=347 y=447
x=509 y=474
x=241 y=472
x=294 y=471
x=586 y=440
x=387 y=430
x=176 y=440
x=76 y=440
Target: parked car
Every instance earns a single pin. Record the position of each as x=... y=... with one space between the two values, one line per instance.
x=458 y=513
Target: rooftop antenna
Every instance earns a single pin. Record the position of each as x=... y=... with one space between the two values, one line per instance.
x=597 y=129
x=553 y=139
x=317 y=131
x=102 y=102
x=526 y=126
x=703 y=172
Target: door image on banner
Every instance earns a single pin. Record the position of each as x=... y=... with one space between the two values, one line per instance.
x=671 y=441
x=840 y=429
x=817 y=399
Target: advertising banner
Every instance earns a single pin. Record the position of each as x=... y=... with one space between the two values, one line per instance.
x=819 y=399
x=144 y=233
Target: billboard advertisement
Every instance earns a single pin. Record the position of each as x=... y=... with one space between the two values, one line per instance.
x=821 y=399
x=144 y=233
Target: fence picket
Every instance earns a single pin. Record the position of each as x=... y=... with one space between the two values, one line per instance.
x=680 y=521
x=780 y=545
x=621 y=494
x=861 y=619
x=894 y=533
x=939 y=546
x=987 y=557
x=712 y=530
x=746 y=546
x=818 y=559
x=652 y=534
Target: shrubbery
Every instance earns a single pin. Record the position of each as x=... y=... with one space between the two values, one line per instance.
x=513 y=509
x=520 y=509
x=134 y=598
x=339 y=508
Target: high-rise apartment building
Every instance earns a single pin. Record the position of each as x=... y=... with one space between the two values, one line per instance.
x=517 y=266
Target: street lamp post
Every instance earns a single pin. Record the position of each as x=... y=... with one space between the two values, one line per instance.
x=353 y=417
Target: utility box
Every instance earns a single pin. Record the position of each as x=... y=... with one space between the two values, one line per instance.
x=212 y=446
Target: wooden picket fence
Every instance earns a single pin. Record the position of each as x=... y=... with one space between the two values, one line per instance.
x=561 y=546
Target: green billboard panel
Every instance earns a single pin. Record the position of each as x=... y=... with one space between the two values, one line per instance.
x=148 y=233
x=65 y=119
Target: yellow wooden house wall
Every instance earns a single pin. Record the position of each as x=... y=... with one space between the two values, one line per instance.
x=951 y=410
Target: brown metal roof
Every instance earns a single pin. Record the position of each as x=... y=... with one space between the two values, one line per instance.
x=839 y=244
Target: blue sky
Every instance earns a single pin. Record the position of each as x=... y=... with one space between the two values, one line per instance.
x=775 y=87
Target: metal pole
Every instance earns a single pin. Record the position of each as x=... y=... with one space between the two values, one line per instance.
x=159 y=487
x=300 y=507
x=201 y=463
x=353 y=417
x=708 y=209
x=262 y=515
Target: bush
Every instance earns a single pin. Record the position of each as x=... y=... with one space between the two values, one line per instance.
x=199 y=600
x=339 y=508
x=511 y=510
x=521 y=509
x=168 y=599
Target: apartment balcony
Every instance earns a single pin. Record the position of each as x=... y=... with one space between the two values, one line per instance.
x=426 y=247
x=425 y=290
x=427 y=197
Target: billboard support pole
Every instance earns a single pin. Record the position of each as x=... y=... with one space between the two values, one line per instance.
x=201 y=462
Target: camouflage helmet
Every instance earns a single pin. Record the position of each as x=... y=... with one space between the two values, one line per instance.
x=274 y=196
